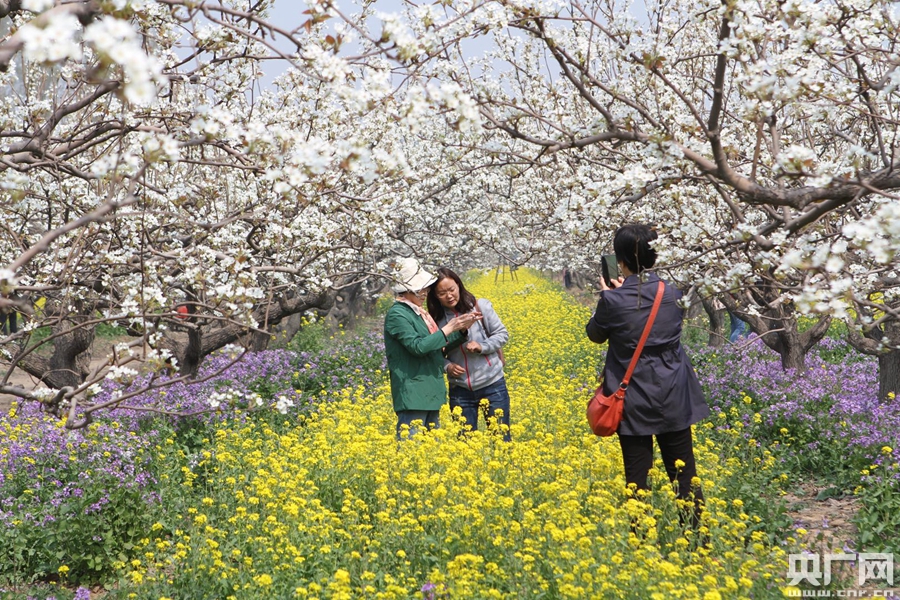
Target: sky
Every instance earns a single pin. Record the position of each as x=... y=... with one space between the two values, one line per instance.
x=289 y=14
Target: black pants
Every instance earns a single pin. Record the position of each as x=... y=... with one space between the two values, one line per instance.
x=637 y=452
x=9 y=318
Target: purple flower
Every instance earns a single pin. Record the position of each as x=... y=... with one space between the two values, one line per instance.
x=830 y=409
x=51 y=477
x=82 y=593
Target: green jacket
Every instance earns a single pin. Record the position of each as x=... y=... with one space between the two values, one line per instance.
x=415 y=360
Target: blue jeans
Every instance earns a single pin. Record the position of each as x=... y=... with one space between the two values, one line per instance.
x=470 y=400
x=428 y=418
x=738 y=328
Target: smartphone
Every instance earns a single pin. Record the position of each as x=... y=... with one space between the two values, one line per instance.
x=609 y=268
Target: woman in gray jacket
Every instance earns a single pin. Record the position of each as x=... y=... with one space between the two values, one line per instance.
x=475 y=368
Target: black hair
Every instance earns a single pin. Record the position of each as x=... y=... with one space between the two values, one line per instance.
x=466 y=300
x=632 y=246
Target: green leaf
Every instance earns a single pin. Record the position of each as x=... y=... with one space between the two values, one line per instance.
x=832 y=492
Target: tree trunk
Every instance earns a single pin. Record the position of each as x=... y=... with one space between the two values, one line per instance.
x=888 y=374
x=189 y=359
x=70 y=361
x=285 y=331
x=793 y=355
x=696 y=304
x=716 y=323
x=256 y=341
x=192 y=347
x=350 y=304
x=889 y=362
x=216 y=337
x=778 y=328
x=875 y=342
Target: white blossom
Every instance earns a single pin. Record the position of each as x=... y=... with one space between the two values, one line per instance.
x=283 y=403
x=37 y=5
x=55 y=41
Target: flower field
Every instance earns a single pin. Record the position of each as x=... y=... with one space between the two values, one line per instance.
x=319 y=500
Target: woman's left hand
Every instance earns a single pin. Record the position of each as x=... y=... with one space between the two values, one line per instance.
x=472 y=348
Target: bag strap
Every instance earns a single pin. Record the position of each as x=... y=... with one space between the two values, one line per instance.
x=637 y=351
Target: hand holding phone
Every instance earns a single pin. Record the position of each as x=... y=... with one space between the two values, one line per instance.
x=609 y=269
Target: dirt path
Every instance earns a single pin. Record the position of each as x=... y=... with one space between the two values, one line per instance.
x=19 y=377
x=101 y=350
x=828 y=522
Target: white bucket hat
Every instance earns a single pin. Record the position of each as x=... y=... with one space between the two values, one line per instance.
x=409 y=276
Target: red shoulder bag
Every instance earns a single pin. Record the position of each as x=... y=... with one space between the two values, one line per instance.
x=604 y=413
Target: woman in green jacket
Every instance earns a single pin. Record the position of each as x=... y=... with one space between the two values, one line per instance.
x=413 y=344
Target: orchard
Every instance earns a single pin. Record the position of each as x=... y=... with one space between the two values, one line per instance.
x=157 y=189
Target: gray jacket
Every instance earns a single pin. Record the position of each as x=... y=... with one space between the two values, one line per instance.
x=485 y=368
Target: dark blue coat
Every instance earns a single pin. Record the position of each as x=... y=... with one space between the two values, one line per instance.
x=664 y=394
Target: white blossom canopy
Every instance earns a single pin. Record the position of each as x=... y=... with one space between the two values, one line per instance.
x=144 y=166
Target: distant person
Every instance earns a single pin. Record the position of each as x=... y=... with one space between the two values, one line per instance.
x=8 y=318
x=474 y=368
x=664 y=397
x=413 y=344
x=738 y=328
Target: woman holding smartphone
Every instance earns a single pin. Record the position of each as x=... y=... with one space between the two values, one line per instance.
x=664 y=397
x=413 y=343
x=475 y=367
